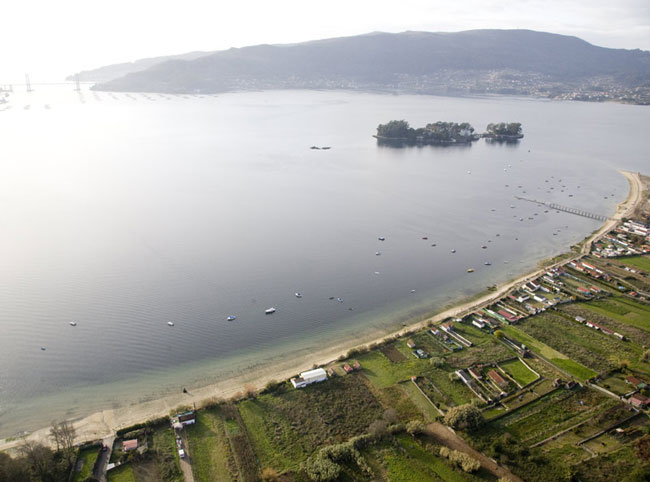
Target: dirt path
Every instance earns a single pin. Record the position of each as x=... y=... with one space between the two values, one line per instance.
x=446 y=437
x=186 y=462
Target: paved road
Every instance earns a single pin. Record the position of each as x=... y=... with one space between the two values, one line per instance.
x=186 y=462
x=446 y=437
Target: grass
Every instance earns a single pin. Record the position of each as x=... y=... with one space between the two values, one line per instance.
x=123 y=473
x=519 y=372
x=166 y=454
x=286 y=428
x=209 y=447
x=641 y=262
x=424 y=406
x=89 y=456
x=383 y=373
x=558 y=359
x=623 y=310
x=409 y=461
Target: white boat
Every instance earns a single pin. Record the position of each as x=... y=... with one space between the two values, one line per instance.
x=170 y=323
x=340 y=300
x=377 y=253
x=73 y=323
x=43 y=348
x=231 y=318
x=487 y=263
x=269 y=311
x=298 y=294
x=453 y=250
x=381 y=238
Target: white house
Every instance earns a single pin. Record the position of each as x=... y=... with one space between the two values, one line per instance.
x=309 y=377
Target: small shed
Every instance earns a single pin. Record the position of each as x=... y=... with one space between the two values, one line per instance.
x=129 y=445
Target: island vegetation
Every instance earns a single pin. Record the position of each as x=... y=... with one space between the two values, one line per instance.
x=434 y=133
x=503 y=131
x=399 y=132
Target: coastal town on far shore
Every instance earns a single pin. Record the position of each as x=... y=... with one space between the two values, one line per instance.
x=547 y=379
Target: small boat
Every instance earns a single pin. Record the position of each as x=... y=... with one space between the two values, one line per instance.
x=231 y=318
x=340 y=300
x=453 y=250
x=484 y=247
x=434 y=245
x=269 y=311
x=170 y=323
x=326 y=147
x=377 y=253
x=43 y=348
x=331 y=297
x=73 y=323
x=412 y=291
x=425 y=237
x=314 y=147
x=381 y=238
x=376 y=272
x=470 y=270
x=298 y=294
x=487 y=263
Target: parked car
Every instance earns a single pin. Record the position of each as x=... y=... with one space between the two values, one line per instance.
x=181 y=453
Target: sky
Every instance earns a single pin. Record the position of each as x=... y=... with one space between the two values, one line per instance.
x=50 y=39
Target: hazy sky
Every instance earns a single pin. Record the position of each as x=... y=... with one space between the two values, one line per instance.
x=52 y=38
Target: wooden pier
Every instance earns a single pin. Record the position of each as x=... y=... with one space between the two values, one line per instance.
x=566 y=209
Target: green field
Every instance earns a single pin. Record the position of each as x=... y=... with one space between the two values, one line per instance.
x=123 y=473
x=519 y=372
x=89 y=456
x=641 y=262
x=208 y=447
x=166 y=454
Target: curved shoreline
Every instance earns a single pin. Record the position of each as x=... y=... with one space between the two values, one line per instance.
x=102 y=424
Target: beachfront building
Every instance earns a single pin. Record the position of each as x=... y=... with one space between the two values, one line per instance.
x=309 y=377
x=180 y=420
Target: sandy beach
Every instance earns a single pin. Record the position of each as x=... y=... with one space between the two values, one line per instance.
x=103 y=424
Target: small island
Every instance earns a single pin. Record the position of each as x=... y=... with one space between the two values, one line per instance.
x=399 y=132
x=503 y=131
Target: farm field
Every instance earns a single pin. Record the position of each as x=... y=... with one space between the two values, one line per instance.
x=624 y=310
x=166 y=454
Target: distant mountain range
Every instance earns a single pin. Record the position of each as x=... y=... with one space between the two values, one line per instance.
x=520 y=62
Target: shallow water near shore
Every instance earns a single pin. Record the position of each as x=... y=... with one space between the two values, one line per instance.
x=125 y=212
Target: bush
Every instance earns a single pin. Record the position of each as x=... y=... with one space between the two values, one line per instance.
x=460 y=459
x=391 y=416
x=321 y=469
x=378 y=429
x=464 y=417
x=437 y=362
x=270 y=474
x=415 y=427
x=645 y=356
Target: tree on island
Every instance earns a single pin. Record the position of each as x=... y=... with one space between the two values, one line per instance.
x=395 y=129
x=504 y=129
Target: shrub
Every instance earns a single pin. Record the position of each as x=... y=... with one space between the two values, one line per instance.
x=460 y=459
x=464 y=417
x=437 y=362
x=378 y=429
x=270 y=474
x=415 y=427
x=321 y=469
x=645 y=356
x=391 y=416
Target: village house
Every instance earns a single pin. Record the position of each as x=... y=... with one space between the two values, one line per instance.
x=636 y=382
x=498 y=379
x=639 y=401
x=475 y=373
x=129 y=445
x=410 y=343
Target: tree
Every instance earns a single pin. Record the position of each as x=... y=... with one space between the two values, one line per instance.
x=64 y=435
x=646 y=356
x=378 y=429
x=391 y=416
x=395 y=129
x=39 y=457
x=500 y=334
x=464 y=417
x=437 y=361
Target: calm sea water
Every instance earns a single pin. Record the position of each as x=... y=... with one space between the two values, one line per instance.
x=125 y=212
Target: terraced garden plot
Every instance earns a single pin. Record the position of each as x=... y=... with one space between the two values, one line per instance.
x=383 y=373
x=396 y=397
x=519 y=372
x=473 y=334
x=606 y=468
x=585 y=345
x=641 y=262
x=623 y=310
x=558 y=359
x=489 y=352
x=554 y=413
x=631 y=332
x=427 y=410
x=166 y=454
x=392 y=353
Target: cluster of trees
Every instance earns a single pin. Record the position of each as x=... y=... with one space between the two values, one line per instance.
x=37 y=463
x=464 y=417
x=438 y=132
x=503 y=129
x=461 y=459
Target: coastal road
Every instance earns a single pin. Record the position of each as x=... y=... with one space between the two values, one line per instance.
x=103 y=458
x=444 y=436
